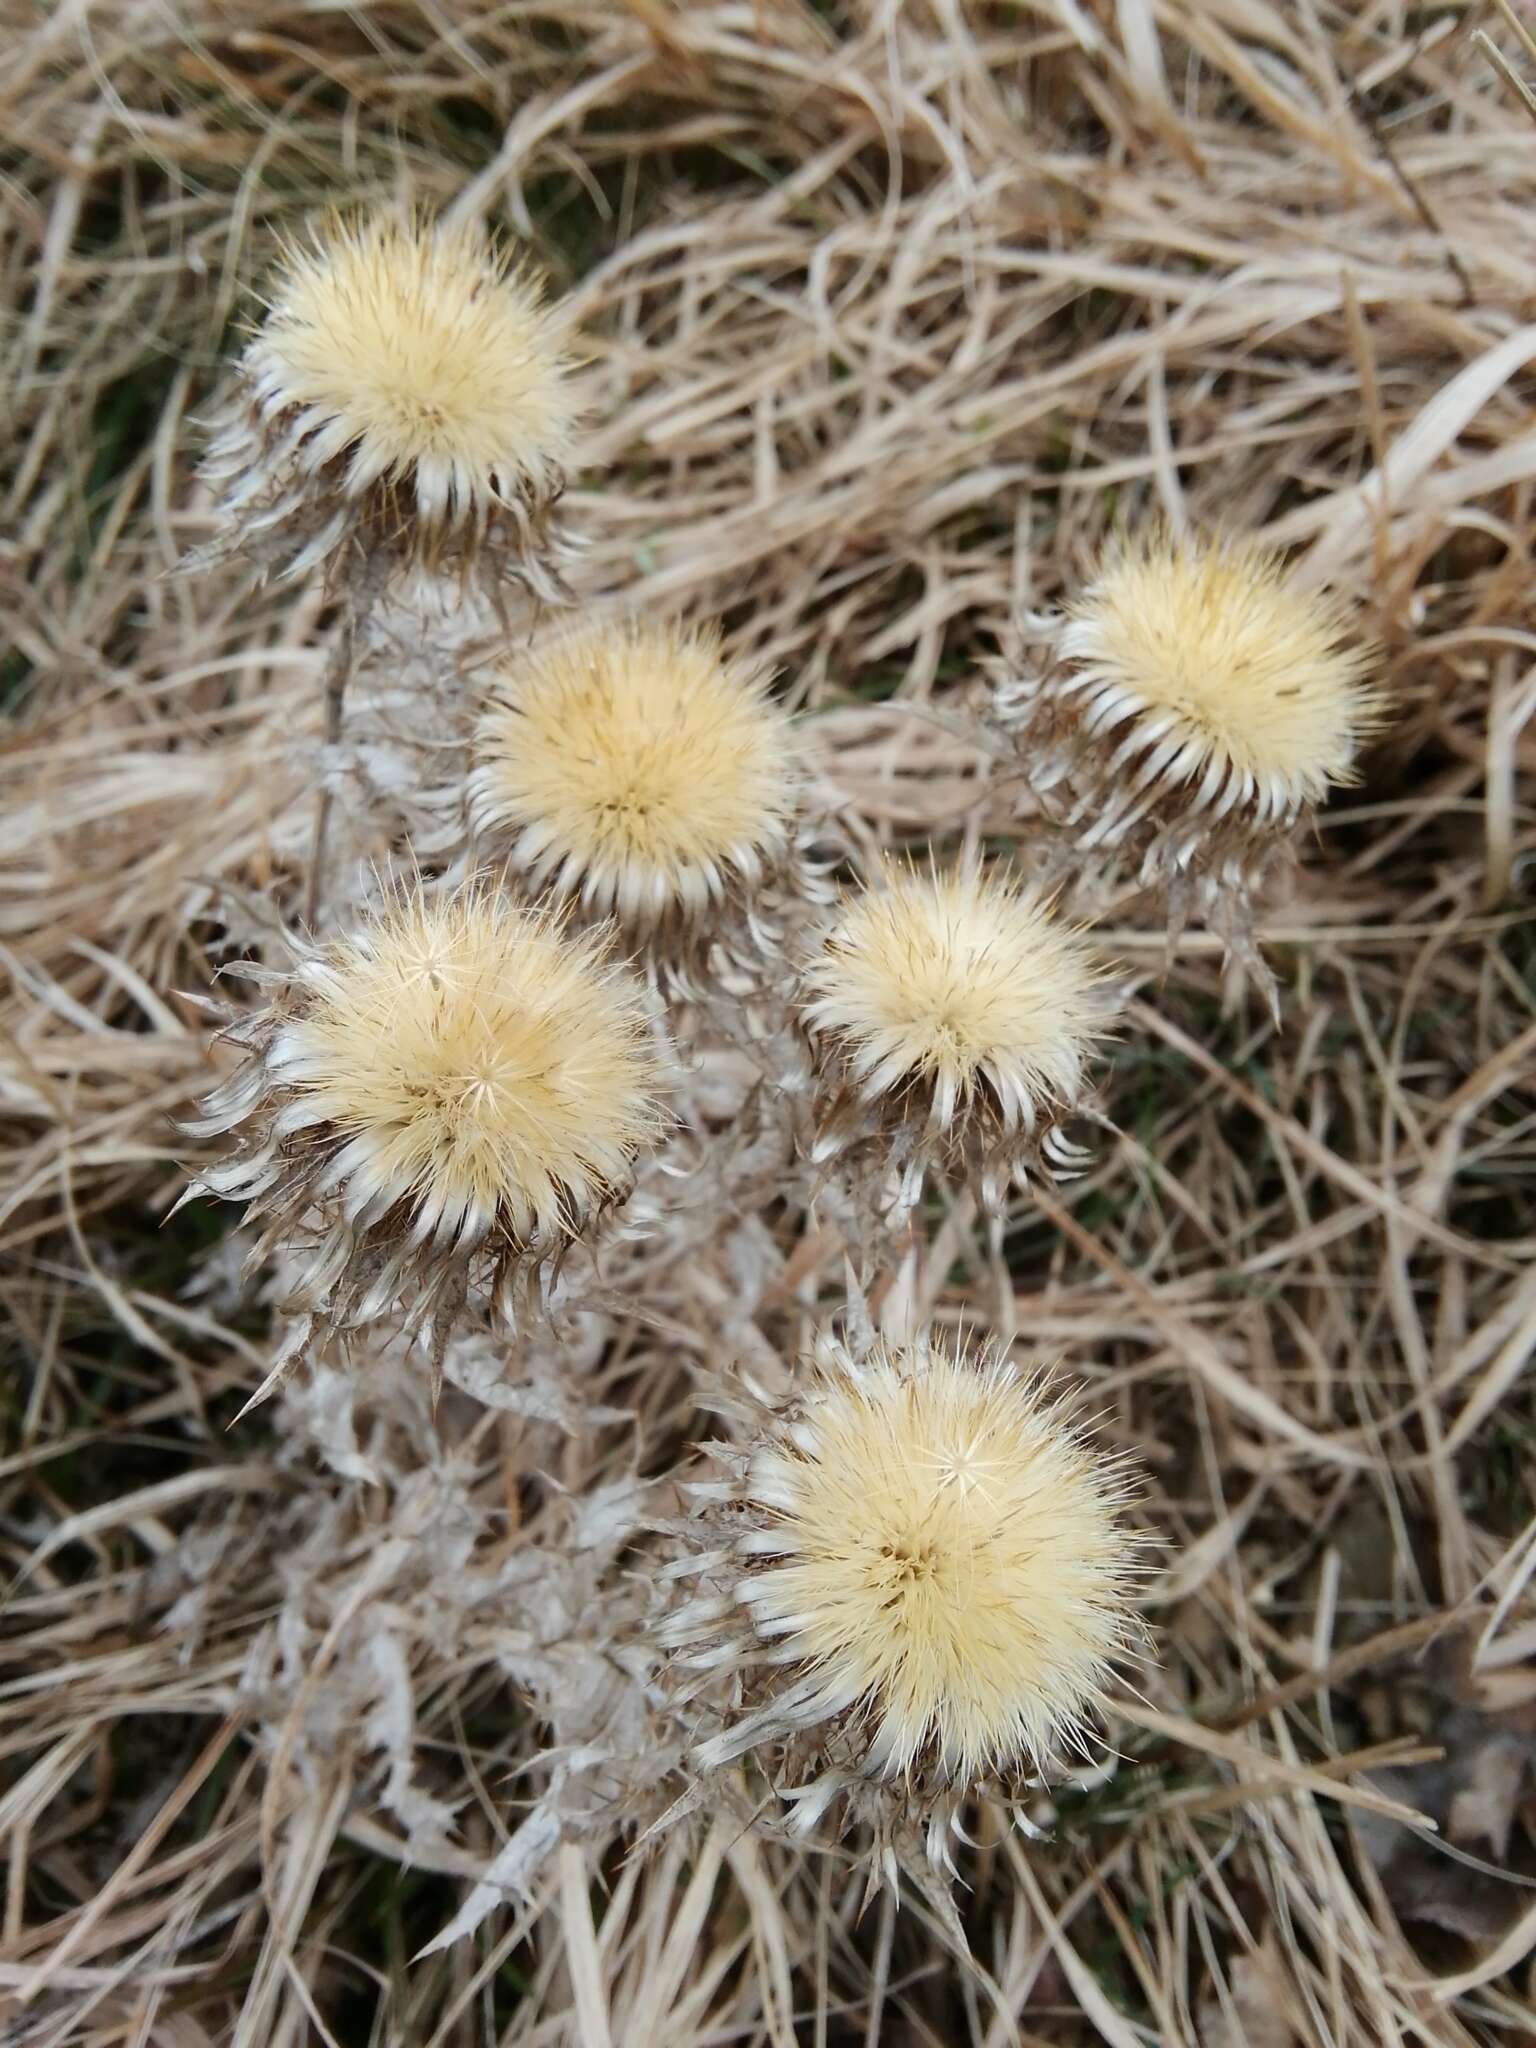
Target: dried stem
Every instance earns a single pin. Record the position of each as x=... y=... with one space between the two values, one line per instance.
x=338 y=673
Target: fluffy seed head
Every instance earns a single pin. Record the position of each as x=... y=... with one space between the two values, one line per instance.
x=1197 y=706
x=933 y=1561
x=407 y=382
x=418 y=354
x=474 y=1062
x=637 y=767
x=956 y=1012
x=455 y=1078
x=956 y=980
x=1205 y=653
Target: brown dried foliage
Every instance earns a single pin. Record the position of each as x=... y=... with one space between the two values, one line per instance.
x=895 y=311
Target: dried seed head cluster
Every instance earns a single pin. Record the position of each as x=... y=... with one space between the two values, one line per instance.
x=952 y=1016
x=640 y=771
x=919 y=1572
x=913 y=1574
x=1200 y=706
x=408 y=387
x=451 y=1093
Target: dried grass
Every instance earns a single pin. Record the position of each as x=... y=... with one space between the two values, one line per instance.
x=896 y=310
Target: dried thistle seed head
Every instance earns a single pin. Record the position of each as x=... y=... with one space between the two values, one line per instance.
x=1246 y=687
x=953 y=1016
x=408 y=386
x=928 y=1577
x=450 y=1094
x=1200 y=706
x=640 y=771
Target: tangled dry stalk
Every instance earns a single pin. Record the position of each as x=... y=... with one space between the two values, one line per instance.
x=895 y=312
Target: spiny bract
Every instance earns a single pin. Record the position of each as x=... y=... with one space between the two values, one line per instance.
x=931 y=1559
x=636 y=767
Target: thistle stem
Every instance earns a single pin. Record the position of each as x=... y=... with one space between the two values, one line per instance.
x=337 y=674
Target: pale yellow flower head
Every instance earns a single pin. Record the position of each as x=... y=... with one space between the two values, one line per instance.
x=419 y=355
x=438 y=1101
x=957 y=983
x=1189 y=712
x=636 y=767
x=474 y=1065
x=934 y=1567
x=1201 y=657
x=407 y=390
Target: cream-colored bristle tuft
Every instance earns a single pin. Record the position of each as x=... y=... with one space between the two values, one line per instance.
x=450 y=1093
x=636 y=769
x=954 y=1016
x=1197 y=705
x=408 y=388
x=932 y=1576
x=1247 y=688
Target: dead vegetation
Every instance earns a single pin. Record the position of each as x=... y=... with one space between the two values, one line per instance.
x=894 y=312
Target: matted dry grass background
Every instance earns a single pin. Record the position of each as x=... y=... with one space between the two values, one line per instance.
x=894 y=311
